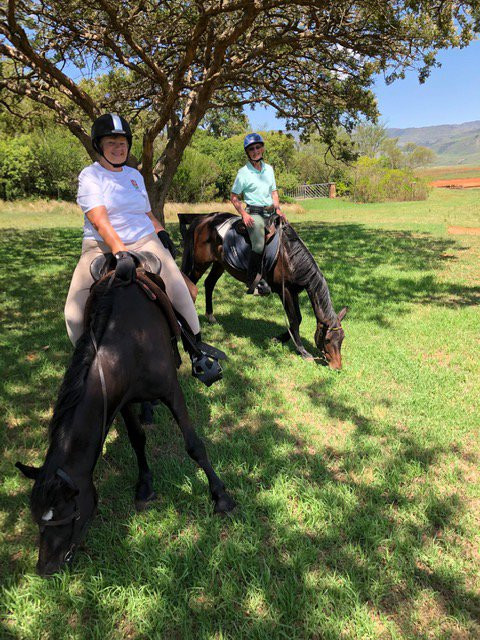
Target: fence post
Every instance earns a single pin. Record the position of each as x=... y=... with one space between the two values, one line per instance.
x=332 y=190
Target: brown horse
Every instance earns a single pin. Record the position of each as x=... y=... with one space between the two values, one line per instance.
x=295 y=270
x=126 y=355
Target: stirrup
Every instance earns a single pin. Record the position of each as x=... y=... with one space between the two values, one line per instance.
x=211 y=352
x=207 y=370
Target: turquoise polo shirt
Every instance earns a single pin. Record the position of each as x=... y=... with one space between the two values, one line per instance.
x=256 y=186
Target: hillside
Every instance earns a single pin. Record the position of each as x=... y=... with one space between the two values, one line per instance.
x=453 y=143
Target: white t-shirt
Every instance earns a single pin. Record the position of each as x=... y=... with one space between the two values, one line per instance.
x=123 y=194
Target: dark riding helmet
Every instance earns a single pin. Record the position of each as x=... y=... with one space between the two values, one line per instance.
x=110 y=124
x=252 y=138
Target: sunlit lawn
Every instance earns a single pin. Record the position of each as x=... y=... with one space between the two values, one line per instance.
x=358 y=493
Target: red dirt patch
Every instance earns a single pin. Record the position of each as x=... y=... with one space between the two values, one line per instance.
x=456 y=183
x=464 y=231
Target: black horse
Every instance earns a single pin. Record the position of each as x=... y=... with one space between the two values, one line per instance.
x=294 y=271
x=126 y=355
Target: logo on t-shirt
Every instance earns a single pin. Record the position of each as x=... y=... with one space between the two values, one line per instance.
x=135 y=185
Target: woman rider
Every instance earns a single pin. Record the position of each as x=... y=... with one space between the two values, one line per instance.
x=256 y=181
x=119 y=219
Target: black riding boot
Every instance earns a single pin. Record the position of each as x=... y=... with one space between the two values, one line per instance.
x=204 y=357
x=254 y=275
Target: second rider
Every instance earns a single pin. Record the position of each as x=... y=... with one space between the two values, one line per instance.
x=256 y=182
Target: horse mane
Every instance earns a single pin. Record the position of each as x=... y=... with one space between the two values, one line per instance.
x=73 y=384
x=307 y=274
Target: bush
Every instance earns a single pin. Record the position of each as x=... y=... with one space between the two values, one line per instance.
x=59 y=159
x=194 y=180
x=372 y=182
x=17 y=168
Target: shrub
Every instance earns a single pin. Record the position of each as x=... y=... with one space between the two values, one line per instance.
x=59 y=159
x=194 y=180
x=17 y=168
x=372 y=182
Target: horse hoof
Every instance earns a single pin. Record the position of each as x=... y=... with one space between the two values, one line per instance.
x=224 y=504
x=211 y=318
x=141 y=504
x=307 y=356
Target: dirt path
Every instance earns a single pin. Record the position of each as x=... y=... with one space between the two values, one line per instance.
x=464 y=231
x=457 y=183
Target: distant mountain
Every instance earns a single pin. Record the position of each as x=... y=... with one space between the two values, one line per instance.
x=453 y=143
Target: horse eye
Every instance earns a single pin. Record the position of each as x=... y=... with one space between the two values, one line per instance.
x=48 y=515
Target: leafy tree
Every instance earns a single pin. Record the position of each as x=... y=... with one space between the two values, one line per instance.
x=172 y=62
x=225 y=123
x=369 y=138
x=418 y=156
x=392 y=153
x=318 y=162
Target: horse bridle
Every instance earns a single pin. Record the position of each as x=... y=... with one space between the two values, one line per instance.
x=73 y=517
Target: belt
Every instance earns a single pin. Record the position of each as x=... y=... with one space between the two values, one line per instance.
x=260 y=210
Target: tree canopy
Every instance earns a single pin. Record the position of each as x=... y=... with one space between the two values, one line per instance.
x=165 y=65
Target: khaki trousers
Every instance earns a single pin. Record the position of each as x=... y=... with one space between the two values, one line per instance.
x=82 y=280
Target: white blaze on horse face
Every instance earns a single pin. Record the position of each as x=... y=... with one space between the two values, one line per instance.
x=48 y=515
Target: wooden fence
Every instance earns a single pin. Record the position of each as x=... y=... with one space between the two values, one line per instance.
x=323 y=190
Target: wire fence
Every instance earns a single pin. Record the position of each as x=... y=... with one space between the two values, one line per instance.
x=323 y=190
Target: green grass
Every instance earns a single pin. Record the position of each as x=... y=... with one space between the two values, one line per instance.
x=449 y=172
x=358 y=493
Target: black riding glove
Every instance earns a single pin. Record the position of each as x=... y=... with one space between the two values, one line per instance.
x=167 y=242
x=125 y=269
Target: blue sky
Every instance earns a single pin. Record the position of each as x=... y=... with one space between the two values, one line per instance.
x=450 y=95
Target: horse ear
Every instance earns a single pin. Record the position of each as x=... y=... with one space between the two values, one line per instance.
x=30 y=472
x=342 y=313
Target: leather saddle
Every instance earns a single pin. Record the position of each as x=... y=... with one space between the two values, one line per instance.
x=106 y=262
x=237 y=247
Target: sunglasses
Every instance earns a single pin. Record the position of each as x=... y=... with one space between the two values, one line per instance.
x=255 y=147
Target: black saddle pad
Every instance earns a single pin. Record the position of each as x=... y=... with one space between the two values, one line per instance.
x=237 y=249
x=106 y=262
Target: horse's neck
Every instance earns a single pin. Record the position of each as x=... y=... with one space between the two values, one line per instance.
x=76 y=443
x=319 y=295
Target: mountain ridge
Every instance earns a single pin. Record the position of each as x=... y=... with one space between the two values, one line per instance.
x=453 y=143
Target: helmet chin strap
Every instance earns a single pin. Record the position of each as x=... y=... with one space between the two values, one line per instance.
x=117 y=165
x=255 y=161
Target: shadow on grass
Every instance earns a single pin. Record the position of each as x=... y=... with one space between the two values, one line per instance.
x=315 y=545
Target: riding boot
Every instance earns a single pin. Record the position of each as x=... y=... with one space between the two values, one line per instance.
x=254 y=275
x=204 y=357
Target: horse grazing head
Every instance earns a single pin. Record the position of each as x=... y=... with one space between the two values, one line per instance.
x=62 y=507
x=329 y=338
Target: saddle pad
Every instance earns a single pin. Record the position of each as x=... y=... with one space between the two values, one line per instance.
x=237 y=250
x=224 y=227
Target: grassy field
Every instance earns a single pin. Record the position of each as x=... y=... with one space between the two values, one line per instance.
x=447 y=173
x=358 y=492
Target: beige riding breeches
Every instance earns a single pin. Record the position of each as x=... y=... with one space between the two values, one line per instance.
x=82 y=280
